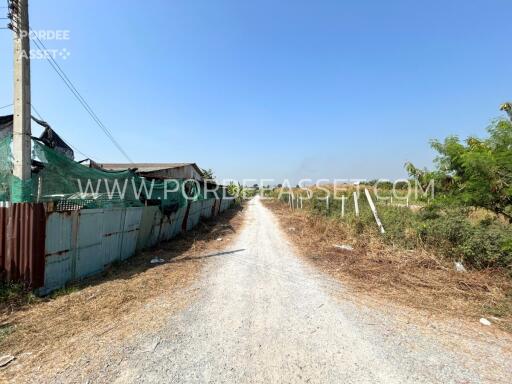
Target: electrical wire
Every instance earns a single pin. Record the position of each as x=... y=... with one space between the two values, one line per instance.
x=7 y=106
x=80 y=98
x=60 y=72
x=67 y=141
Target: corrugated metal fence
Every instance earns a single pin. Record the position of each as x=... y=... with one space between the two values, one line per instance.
x=22 y=229
x=46 y=250
x=82 y=243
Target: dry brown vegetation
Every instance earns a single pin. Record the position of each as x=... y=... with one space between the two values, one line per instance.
x=416 y=278
x=128 y=299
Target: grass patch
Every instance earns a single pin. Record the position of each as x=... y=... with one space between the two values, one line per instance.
x=15 y=295
x=64 y=291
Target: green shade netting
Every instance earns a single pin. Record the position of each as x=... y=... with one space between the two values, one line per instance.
x=72 y=184
x=64 y=179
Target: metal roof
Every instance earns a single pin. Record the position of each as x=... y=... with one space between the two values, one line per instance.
x=148 y=167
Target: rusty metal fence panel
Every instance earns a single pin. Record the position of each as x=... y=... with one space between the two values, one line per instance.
x=156 y=229
x=145 y=239
x=216 y=207
x=82 y=243
x=166 y=229
x=131 y=229
x=59 y=250
x=113 y=226
x=89 y=252
x=207 y=208
x=225 y=204
x=194 y=214
x=22 y=229
x=178 y=221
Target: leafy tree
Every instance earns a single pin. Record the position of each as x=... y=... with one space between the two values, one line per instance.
x=208 y=174
x=234 y=189
x=476 y=172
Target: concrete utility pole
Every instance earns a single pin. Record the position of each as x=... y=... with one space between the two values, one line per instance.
x=22 y=102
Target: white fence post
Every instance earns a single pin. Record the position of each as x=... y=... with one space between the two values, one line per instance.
x=343 y=206
x=356 y=205
x=374 y=210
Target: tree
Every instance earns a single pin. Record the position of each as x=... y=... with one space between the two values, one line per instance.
x=479 y=170
x=507 y=107
x=234 y=189
x=208 y=174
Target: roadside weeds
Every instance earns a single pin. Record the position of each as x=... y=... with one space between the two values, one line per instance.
x=414 y=278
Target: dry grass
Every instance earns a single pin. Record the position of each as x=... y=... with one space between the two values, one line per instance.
x=129 y=299
x=415 y=278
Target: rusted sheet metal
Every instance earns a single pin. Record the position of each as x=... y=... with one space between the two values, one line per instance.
x=225 y=204
x=82 y=243
x=194 y=214
x=156 y=229
x=206 y=208
x=166 y=229
x=22 y=236
x=131 y=229
x=178 y=221
x=3 y=234
x=113 y=223
x=184 y=224
x=89 y=238
x=216 y=207
x=59 y=250
x=145 y=239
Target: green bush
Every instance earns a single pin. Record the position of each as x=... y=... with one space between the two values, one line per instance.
x=446 y=229
x=482 y=245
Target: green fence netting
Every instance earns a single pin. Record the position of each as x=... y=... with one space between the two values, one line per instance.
x=73 y=185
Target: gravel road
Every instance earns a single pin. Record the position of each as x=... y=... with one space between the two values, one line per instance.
x=264 y=316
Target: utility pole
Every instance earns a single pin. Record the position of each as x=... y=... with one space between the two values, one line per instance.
x=22 y=102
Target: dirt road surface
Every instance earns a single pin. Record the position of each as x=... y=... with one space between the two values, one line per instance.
x=262 y=315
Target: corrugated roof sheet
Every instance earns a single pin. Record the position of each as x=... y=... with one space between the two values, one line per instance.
x=146 y=167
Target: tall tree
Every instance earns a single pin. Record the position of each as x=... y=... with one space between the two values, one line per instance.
x=480 y=169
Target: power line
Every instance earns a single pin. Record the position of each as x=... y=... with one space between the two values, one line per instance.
x=80 y=98
x=67 y=141
x=60 y=72
x=7 y=106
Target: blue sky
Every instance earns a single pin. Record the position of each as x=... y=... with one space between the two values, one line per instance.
x=272 y=89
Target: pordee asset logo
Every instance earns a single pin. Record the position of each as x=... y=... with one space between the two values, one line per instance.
x=115 y=188
x=334 y=189
x=39 y=50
